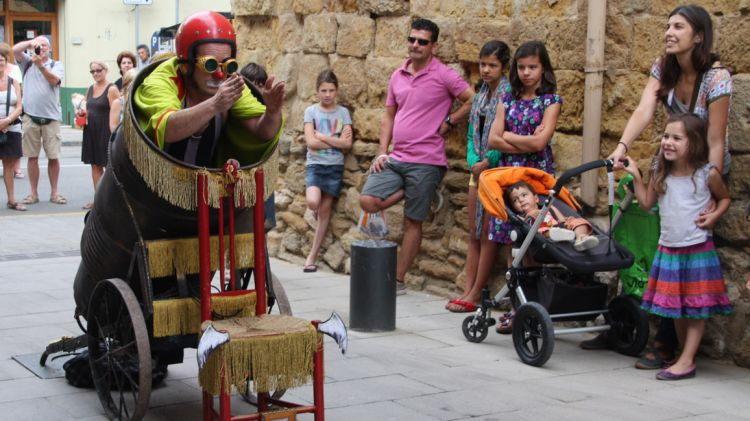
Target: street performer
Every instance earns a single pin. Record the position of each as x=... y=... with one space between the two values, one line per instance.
x=196 y=107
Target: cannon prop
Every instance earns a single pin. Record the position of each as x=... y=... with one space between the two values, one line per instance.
x=158 y=232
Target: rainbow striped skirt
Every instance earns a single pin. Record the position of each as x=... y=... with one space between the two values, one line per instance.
x=686 y=282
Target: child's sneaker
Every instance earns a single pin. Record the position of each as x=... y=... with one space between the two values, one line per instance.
x=586 y=243
x=561 y=234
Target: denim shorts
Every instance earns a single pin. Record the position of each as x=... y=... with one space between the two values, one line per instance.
x=326 y=177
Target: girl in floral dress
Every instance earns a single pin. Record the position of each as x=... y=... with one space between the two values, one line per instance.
x=523 y=131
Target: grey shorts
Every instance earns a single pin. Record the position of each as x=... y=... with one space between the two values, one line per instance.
x=419 y=181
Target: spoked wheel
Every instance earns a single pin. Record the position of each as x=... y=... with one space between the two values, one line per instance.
x=474 y=328
x=629 y=332
x=119 y=351
x=533 y=334
x=282 y=307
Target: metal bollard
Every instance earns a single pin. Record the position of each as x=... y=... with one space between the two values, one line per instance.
x=372 y=296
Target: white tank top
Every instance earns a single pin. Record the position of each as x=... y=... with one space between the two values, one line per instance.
x=680 y=206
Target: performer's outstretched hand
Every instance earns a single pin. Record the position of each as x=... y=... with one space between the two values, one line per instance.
x=273 y=95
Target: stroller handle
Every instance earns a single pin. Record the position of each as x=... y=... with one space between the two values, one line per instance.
x=567 y=175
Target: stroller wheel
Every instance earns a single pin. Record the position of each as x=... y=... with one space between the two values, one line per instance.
x=533 y=334
x=629 y=331
x=475 y=329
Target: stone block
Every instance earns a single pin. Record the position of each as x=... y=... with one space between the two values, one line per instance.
x=366 y=124
x=435 y=249
x=648 y=41
x=283 y=198
x=384 y=7
x=308 y=7
x=542 y=9
x=456 y=180
x=289 y=33
x=353 y=178
x=446 y=51
x=733 y=226
x=571 y=87
x=319 y=33
x=438 y=268
x=335 y=256
x=473 y=34
x=286 y=69
x=252 y=7
x=626 y=7
x=621 y=95
x=355 y=35
x=739 y=182
x=298 y=147
x=731 y=31
x=378 y=71
x=253 y=32
x=458 y=240
x=365 y=150
x=295 y=118
x=618 y=51
x=312 y=64
x=458 y=199
x=564 y=38
x=296 y=172
x=567 y=151
x=390 y=36
x=352 y=83
x=739 y=117
x=350 y=197
x=292 y=242
x=273 y=242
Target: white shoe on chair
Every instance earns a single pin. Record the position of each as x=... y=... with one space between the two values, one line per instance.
x=586 y=243
x=561 y=234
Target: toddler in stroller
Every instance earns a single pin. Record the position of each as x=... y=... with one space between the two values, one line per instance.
x=558 y=281
x=559 y=227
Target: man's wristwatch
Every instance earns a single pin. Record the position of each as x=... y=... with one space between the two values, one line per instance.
x=449 y=122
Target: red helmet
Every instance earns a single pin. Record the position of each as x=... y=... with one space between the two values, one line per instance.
x=201 y=28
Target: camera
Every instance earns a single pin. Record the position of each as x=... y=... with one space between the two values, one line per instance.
x=38 y=50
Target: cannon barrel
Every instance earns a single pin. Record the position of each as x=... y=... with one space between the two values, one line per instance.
x=146 y=194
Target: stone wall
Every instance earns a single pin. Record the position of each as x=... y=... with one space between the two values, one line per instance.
x=364 y=41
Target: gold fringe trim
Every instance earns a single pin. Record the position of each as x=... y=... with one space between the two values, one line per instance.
x=177 y=184
x=182 y=316
x=180 y=256
x=275 y=351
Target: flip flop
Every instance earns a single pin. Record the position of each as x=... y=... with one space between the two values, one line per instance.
x=310 y=268
x=461 y=306
x=58 y=200
x=30 y=200
x=505 y=324
x=453 y=301
x=16 y=206
x=18 y=174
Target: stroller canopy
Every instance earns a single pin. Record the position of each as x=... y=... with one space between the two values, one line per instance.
x=493 y=182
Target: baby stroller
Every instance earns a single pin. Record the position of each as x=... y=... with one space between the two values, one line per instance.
x=562 y=287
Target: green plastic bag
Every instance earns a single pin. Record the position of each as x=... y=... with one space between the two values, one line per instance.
x=638 y=231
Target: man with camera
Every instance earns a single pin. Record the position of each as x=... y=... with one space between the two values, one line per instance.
x=41 y=104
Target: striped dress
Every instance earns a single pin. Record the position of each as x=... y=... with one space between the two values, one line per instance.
x=686 y=279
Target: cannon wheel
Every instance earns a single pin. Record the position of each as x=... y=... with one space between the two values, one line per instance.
x=118 y=346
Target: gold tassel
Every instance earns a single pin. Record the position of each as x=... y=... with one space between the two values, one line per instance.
x=177 y=184
x=273 y=360
x=178 y=316
x=168 y=257
x=182 y=316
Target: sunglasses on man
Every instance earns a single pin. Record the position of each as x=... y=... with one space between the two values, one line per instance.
x=210 y=64
x=421 y=41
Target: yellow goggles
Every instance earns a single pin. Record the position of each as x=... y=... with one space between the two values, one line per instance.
x=210 y=64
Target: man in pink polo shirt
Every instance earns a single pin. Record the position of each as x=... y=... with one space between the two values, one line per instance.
x=417 y=116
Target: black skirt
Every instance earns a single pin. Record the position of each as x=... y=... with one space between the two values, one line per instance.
x=12 y=147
